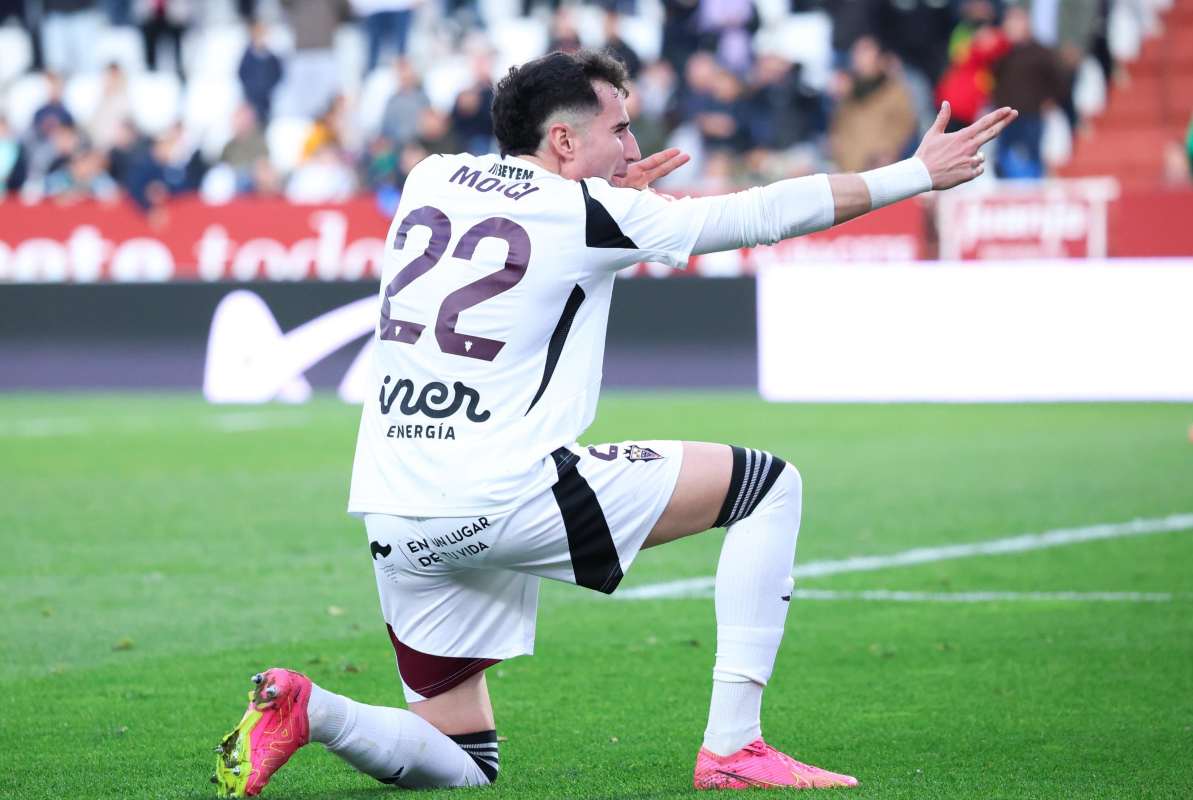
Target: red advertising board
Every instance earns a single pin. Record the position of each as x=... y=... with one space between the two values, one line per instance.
x=272 y=240
x=250 y=239
x=1050 y=219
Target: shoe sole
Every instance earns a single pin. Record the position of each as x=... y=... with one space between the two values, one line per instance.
x=233 y=763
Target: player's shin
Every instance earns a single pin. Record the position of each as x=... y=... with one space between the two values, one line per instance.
x=753 y=592
x=398 y=747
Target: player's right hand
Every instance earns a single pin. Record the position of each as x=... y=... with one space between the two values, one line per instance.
x=954 y=158
x=646 y=171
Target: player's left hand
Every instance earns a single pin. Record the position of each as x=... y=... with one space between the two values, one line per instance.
x=956 y=158
x=644 y=172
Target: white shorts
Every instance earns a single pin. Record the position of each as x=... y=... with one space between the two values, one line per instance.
x=459 y=594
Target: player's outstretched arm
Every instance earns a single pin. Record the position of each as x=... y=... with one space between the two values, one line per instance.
x=945 y=159
x=798 y=206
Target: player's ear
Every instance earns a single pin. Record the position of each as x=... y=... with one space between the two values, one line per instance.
x=562 y=141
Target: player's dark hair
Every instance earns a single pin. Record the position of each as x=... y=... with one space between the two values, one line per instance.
x=528 y=96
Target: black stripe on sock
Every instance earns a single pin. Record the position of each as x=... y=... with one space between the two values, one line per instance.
x=594 y=556
x=736 y=478
x=487 y=761
x=600 y=229
x=558 y=337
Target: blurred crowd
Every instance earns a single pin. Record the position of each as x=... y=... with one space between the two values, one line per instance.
x=753 y=90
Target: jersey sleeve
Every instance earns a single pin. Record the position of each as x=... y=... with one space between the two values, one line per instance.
x=626 y=226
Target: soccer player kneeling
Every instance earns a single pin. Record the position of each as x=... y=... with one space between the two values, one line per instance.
x=489 y=345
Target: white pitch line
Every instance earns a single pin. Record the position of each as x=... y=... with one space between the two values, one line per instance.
x=37 y=427
x=700 y=587
x=246 y=421
x=886 y=595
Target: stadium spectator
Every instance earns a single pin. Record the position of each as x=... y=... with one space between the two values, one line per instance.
x=310 y=82
x=171 y=166
x=386 y=25
x=435 y=132
x=1030 y=77
x=874 y=119
x=13 y=165
x=260 y=72
x=247 y=9
x=47 y=153
x=975 y=46
x=128 y=148
x=68 y=34
x=713 y=104
x=379 y=165
x=726 y=28
x=82 y=177
x=246 y=150
x=915 y=32
x=330 y=130
x=618 y=47
x=399 y=121
x=118 y=12
x=471 y=116
x=680 y=37
x=50 y=137
x=655 y=105
x=163 y=19
x=649 y=128
x=851 y=20
x=28 y=16
x=564 y=35
x=783 y=110
x=112 y=110
x=53 y=112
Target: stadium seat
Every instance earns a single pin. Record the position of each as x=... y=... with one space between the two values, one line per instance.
x=122 y=45
x=379 y=85
x=16 y=53
x=445 y=80
x=214 y=51
x=590 y=24
x=351 y=55
x=495 y=12
x=643 y=34
x=25 y=95
x=285 y=137
x=207 y=111
x=155 y=99
x=82 y=94
x=517 y=40
x=805 y=39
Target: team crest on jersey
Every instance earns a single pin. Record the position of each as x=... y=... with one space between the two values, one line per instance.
x=637 y=453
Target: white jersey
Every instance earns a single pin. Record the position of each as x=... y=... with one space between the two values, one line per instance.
x=488 y=353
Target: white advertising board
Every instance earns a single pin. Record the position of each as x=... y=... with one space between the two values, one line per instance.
x=977 y=332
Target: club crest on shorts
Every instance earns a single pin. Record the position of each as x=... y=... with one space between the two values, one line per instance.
x=636 y=453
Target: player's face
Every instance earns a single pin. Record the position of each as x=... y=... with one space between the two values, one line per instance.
x=607 y=147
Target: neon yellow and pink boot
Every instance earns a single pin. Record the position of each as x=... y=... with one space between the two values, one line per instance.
x=758 y=765
x=273 y=727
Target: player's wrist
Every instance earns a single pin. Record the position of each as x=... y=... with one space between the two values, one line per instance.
x=897 y=181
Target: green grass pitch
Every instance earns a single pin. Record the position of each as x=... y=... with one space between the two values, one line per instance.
x=158 y=551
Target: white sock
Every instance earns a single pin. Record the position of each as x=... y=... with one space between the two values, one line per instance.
x=753 y=591
x=734 y=716
x=393 y=745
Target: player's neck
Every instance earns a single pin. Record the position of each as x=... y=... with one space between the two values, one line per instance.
x=548 y=163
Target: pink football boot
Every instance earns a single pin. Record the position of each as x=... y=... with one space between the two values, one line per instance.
x=272 y=728
x=758 y=765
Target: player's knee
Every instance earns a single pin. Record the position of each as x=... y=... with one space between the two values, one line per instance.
x=759 y=483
